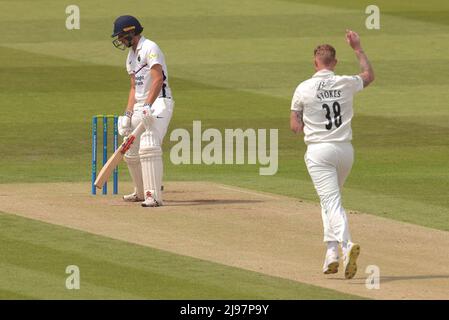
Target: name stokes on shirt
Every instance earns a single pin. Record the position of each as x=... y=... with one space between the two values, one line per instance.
x=327 y=94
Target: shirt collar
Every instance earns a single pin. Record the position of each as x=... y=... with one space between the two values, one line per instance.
x=140 y=43
x=323 y=73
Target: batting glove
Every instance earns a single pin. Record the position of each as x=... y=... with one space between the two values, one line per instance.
x=124 y=124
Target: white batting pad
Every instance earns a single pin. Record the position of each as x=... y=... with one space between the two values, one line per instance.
x=135 y=170
x=152 y=167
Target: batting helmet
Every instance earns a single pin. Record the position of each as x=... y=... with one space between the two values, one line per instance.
x=126 y=24
x=125 y=27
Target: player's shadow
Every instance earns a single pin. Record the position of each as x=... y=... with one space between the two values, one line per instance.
x=199 y=202
x=384 y=279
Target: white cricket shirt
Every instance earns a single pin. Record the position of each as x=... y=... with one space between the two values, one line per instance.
x=140 y=62
x=326 y=103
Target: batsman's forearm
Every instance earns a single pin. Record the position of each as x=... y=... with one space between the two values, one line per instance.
x=131 y=100
x=155 y=89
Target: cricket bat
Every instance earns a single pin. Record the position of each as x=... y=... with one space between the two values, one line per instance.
x=115 y=159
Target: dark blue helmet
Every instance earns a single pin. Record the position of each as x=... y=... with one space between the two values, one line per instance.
x=125 y=28
x=127 y=24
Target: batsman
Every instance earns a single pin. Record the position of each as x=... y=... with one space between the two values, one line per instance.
x=150 y=101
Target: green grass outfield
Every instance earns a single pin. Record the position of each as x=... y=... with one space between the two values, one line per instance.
x=111 y=269
x=236 y=64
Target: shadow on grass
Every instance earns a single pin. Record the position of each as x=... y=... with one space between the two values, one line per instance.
x=199 y=202
x=385 y=279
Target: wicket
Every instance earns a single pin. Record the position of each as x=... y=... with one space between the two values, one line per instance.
x=105 y=149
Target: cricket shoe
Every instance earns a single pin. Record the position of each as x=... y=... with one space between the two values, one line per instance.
x=151 y=203
x=331 y=262
x=132 y=197
x=350 y=260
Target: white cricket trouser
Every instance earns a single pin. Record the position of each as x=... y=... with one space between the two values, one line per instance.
x=329 y=165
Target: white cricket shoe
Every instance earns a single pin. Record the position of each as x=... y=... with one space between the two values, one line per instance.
x=331 y=262
x=151 y=203
x=132 y=197
x=350 y=260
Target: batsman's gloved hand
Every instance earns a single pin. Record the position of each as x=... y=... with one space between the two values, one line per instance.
x=147 y=117
x=124 y=124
